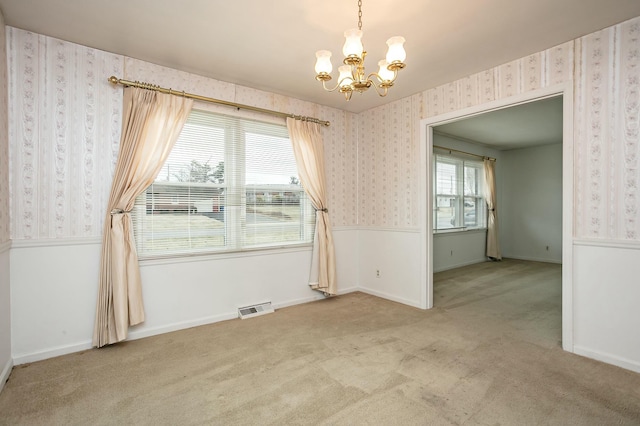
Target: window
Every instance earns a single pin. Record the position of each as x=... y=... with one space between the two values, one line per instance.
x=229 y=184
x=458 y=188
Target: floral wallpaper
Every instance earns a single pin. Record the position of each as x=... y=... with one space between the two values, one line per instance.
x=607 y=136
x=4 y=140
x=65 y=130
x=65 y=122
x=605 y=70
x=388 y=164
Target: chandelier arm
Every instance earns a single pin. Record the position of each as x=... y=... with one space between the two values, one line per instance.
x=337 y=86
x=377 y=87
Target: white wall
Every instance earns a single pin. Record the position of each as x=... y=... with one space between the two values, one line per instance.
x=5 y=241
x=6 y=359
x=54 y=291
x=607 y=318
x=531 y=217
x=396 y=255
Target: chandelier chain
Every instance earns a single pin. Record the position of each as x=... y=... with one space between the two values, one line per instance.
x=360 y=15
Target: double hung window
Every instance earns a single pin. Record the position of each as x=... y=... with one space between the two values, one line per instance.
x=458 y=187
x=229 y=184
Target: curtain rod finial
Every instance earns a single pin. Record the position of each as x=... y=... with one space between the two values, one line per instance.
x=113 y=79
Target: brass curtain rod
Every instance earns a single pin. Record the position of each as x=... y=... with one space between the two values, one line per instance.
x=141 y=85
x=463 y=152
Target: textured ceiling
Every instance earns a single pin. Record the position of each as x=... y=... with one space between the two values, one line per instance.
x=270 y=45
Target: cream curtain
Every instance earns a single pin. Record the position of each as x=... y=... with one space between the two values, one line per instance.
x=307 y=148
x=493 y=244
x=151 y=124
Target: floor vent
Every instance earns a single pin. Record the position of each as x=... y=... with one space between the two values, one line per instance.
x=255 y=310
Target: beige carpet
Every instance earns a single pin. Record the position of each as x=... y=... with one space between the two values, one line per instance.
x=488 y=354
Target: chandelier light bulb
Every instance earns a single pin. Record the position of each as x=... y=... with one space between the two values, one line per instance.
x=396 y=51
x=385 y=73
x=323 y=62
x=353 y=43
x=345 y=78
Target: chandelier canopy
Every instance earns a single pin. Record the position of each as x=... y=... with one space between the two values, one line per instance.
x=352 y=75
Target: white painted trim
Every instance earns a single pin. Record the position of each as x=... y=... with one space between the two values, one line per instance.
x=444 y=232
x=533 y=259
x=183 y=325
x=607 y=358
x=380 y=229
x=345 y=228
x=387 y=296
x=460 y=265
x=619 y=244
x=426 y=222
x=55 y=242
x=149 y=332
x=568 y=191
x=51 y=353
x=5 y=246
x=205 y=257
x=426 y=213
x=348 y=290
x=6 y=372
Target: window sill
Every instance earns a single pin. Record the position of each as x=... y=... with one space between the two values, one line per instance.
x=458 y=231
x=220 y=255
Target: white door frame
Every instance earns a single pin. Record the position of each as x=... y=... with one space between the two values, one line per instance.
x=426 y=202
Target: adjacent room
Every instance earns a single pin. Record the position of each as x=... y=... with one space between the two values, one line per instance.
x=208 y=218
x=522 y=282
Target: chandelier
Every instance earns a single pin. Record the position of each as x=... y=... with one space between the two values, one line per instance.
x=352 y=75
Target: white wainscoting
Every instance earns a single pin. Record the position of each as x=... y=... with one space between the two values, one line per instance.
x=346 y=246
x=6 y=361
x=397 y=255
x=54 y=288
x=605 y=301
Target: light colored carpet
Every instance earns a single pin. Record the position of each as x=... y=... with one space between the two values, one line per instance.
x=489 y=353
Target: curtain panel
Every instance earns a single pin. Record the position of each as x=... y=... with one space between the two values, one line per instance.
x=309 y=153
x=493 y=243
x=151 y=124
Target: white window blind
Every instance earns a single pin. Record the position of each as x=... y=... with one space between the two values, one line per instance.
x=229 y=184
x=458 y=189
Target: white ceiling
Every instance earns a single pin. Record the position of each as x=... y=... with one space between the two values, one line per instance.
x=520 y=126
x=270 y=45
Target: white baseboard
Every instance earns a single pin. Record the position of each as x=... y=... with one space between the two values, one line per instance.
x=391 y=297
x=608 y=358
x=460 y=265
x=183 y=325
x=154 y=331
x=348 y=290
x=51 y=353
x=532 y=259
x=6 y=372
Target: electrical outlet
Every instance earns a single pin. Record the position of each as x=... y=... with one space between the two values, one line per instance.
x=377 y=273
x=452 y=253
x=547 y=248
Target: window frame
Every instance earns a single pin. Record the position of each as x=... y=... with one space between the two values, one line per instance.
x=459 y=194
x=236 y=128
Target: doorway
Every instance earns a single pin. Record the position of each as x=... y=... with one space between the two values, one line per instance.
x=427 y=143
